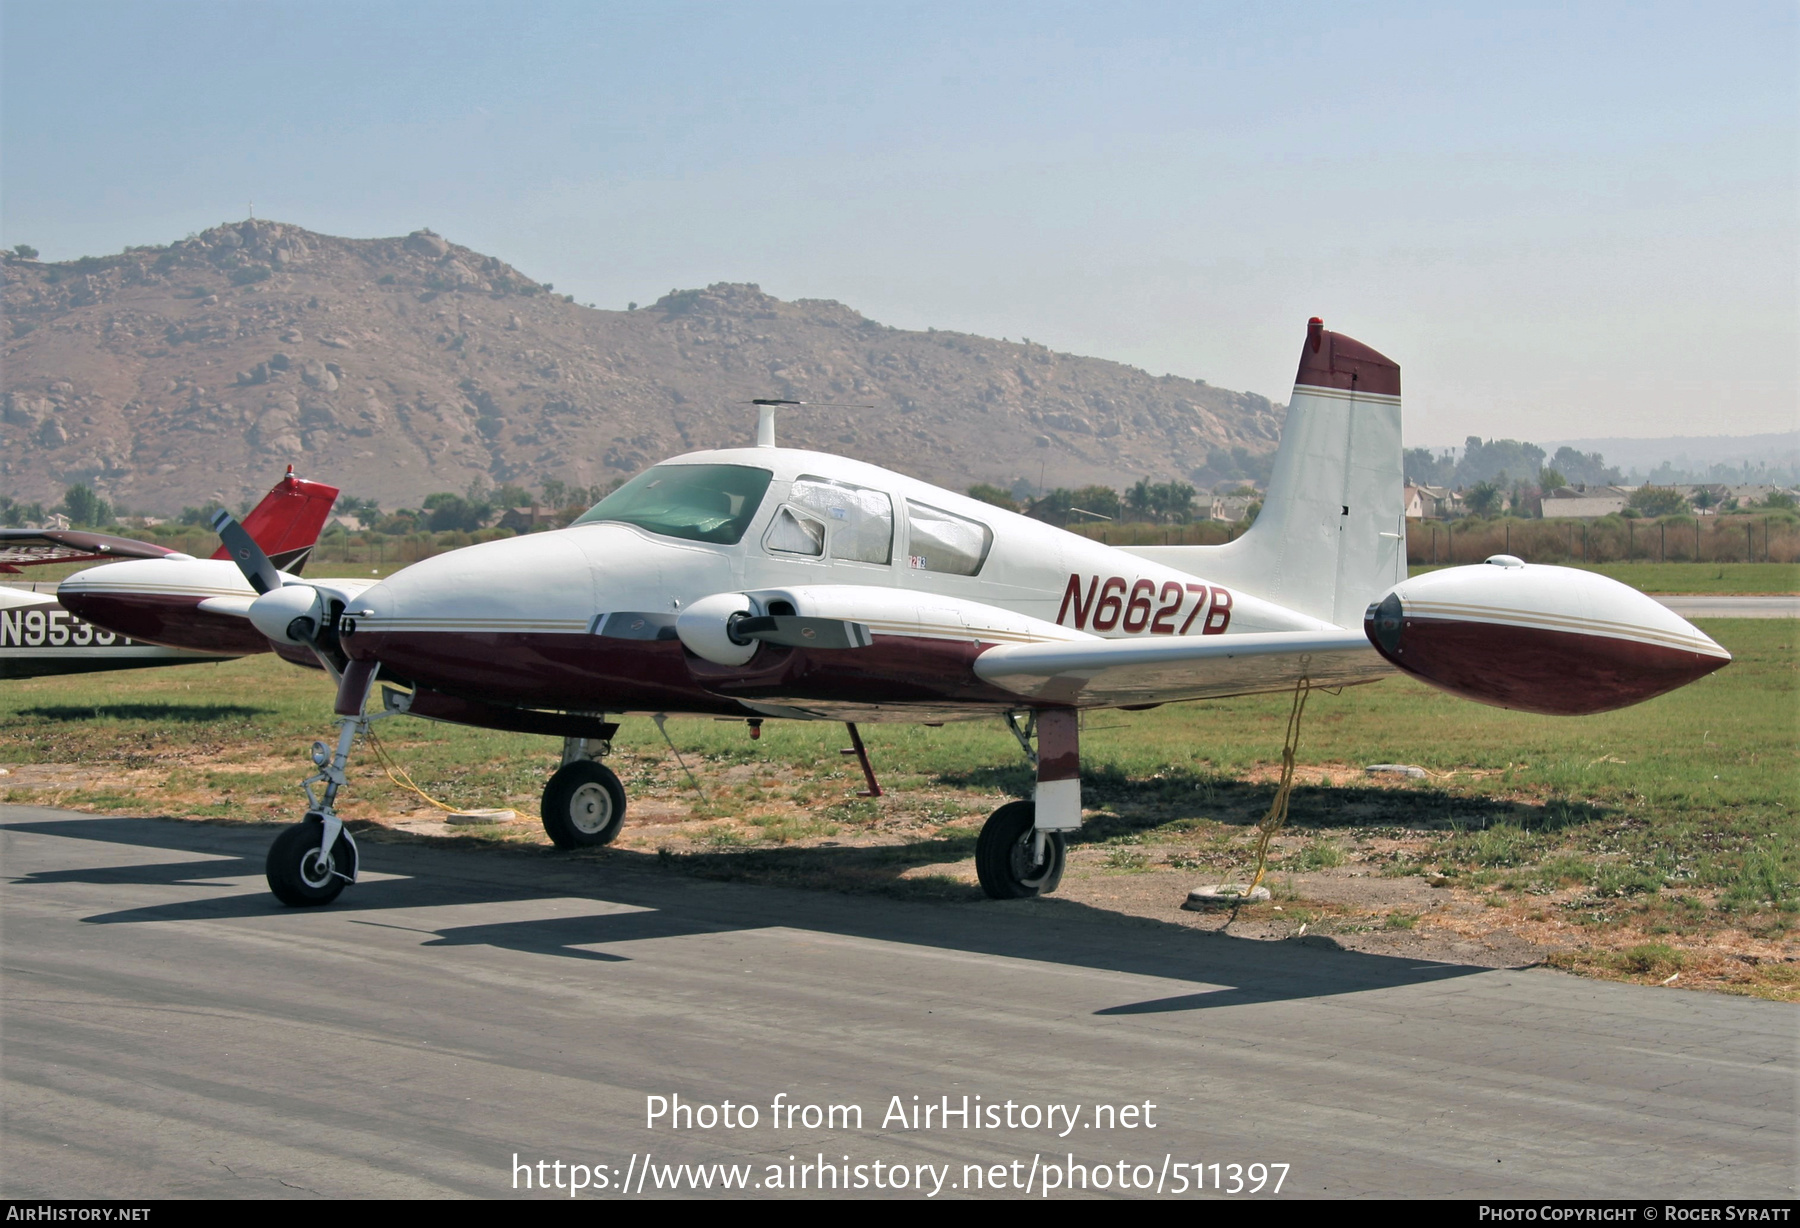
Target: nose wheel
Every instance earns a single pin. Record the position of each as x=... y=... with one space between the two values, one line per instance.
x=301 y=872
x=584 y=805
x=1013 y=859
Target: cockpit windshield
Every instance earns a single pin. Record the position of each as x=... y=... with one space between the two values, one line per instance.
x=702 y=503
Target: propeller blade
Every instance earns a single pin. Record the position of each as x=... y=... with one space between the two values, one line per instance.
x=800 y=631
x=634 y=625
x=248 y=556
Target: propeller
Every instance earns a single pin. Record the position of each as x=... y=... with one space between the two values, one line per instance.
x=287 y=612
x=248 y=556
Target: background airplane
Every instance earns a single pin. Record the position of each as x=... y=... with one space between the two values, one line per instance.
x=40 y=636
x=771 y=583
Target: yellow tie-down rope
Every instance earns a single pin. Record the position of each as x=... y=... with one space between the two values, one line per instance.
x=1278 y=809
x=399 y=775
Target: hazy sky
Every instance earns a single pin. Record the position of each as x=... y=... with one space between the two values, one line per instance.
x=1562 y=220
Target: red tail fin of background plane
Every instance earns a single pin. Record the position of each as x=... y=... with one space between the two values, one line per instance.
x=287 y=522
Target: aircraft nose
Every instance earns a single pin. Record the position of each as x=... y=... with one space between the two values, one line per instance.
x=535 y=584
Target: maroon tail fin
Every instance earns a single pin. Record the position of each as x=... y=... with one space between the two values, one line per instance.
x=287 y=522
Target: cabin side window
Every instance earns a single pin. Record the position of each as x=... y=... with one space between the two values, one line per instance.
x=792 y=532
x=859 y=520
x=942 y=541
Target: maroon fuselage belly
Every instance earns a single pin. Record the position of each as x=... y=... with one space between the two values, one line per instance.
x=589 y=672
x=171 y=620
x=1559 y=673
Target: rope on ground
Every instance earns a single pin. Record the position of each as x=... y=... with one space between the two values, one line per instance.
x=399 y=775
x=1273 y=821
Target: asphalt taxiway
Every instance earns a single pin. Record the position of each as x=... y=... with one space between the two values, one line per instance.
x=167 y=1030
x=1726 y=606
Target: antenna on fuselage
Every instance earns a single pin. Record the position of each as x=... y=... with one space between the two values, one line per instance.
x=765 y=415
x=765 y=419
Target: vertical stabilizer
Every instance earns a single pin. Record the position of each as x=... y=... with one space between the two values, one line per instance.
x=1331 y=534
x=286 y=524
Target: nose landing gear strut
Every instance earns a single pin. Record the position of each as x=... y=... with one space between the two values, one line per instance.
x=313 y=861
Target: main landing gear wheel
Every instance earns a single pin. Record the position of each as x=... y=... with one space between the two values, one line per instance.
x=584 y=805
x=300 y=873
x=1006 y=856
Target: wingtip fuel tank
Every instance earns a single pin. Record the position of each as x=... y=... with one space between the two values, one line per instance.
x=1553 y=640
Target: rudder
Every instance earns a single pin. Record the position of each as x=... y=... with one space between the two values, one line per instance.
x=286 y=524
x=1331 y=536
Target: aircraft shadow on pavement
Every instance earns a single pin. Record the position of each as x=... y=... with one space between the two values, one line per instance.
x=569 y=936
x=1186 y=793
x=1225 y=970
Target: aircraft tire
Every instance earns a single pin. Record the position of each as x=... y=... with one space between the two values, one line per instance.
x=584 y=805
x=1003 y=855
x=293 y=869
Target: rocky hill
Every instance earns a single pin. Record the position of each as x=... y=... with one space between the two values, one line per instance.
x=396 y=367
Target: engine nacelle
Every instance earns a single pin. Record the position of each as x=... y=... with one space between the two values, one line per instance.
x=276 y=611
x=705 y=628
x=1554 y=640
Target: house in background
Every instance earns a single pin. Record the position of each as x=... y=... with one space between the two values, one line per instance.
x=524 y=519
x=1230 y=508
x=1585 y=502
x=1751 y=495
x=1428 y=502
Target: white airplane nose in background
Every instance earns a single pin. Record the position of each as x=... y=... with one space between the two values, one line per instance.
x=540 y=581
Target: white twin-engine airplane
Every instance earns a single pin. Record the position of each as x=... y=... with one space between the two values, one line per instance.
x=769 y=583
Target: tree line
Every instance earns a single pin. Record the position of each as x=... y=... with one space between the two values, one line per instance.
x=1145 y=502
x=79 y=503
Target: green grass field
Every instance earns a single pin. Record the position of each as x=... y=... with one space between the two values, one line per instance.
x=1671 y=823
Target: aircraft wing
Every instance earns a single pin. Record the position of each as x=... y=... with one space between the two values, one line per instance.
x=32 y=547
x=1121 y=673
